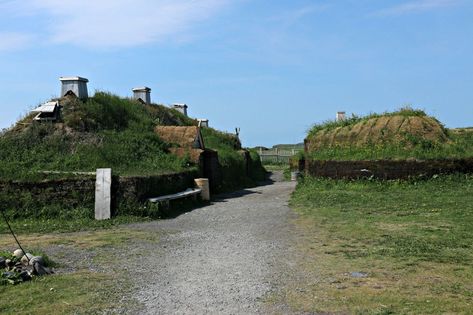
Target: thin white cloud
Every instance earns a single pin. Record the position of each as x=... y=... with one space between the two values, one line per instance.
x=12 y=41
x=120 y=23
x=417 y=6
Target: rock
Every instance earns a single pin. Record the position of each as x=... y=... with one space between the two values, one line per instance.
x=39 y=270
x=26 y=258
x=38 y=259
x=25 y=276
x=358 y=274
x=3 y=263
x=18 y=253
x=9 y=263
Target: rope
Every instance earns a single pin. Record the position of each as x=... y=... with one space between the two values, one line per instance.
x=14 y=236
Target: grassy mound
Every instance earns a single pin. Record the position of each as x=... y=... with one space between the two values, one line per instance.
x=406 y=133
x=104 y=131
x=114 y=132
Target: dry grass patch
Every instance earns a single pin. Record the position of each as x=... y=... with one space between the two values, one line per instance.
x=82 y=240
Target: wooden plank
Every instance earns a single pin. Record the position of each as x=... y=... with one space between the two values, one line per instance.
x=184 y=194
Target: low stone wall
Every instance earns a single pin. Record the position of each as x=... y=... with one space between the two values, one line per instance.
x=139 y=188
x=387 y=169
x=70 y=193
x=26 y=199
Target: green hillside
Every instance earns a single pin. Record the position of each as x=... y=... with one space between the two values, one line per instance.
x=104 y=131
x=113 y=132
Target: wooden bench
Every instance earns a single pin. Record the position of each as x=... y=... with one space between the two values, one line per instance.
x=187 y=193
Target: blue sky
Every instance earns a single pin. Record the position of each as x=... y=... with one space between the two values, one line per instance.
x=272 y=68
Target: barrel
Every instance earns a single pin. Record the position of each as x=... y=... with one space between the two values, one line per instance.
x=203 y=183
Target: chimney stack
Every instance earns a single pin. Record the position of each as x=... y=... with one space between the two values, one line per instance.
x=142 y=94
x=203 y=123
x=75 y=86
x=180 y=108
x=340 y=116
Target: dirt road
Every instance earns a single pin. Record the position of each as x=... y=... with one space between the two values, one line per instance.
x=228 y=257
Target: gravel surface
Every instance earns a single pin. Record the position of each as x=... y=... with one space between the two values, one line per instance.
x=227 y=257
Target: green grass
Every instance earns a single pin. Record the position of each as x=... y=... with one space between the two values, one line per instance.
x=413 y=239
x=105 y=111
x=49 y=224
x=231 y=160
x=220 y=141
x=354 y=119
x=458 y=143
x=83 y=291
x=79 y=293
x=40 y=148
x=460 y=146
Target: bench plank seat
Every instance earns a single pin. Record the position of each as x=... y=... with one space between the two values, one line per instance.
x=183 y=194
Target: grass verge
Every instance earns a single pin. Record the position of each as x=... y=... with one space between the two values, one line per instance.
x=410 y=240
x=79 y=293
x=57 y=225
x=101 y=289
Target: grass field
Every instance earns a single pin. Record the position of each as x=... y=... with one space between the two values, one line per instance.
x=411 y=242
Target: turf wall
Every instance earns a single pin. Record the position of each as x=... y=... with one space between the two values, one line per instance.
x=387 y=169
x=47 y=197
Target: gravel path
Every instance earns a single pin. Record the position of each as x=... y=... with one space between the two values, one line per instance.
x=223 y=258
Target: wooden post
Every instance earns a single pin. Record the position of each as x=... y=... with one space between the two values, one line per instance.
x=203 y=183
x=103 y=194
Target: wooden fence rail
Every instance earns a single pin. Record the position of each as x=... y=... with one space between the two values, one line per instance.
x=277 y=155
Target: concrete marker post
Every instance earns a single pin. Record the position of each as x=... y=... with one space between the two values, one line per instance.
x=203 y=183
x=103 y=194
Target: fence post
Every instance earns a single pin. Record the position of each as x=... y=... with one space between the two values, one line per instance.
x=277 y=155
x=103 y=194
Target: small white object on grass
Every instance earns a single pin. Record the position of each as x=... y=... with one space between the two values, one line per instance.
x=18 y=253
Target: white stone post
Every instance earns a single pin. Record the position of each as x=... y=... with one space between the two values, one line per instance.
x=103 y=194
